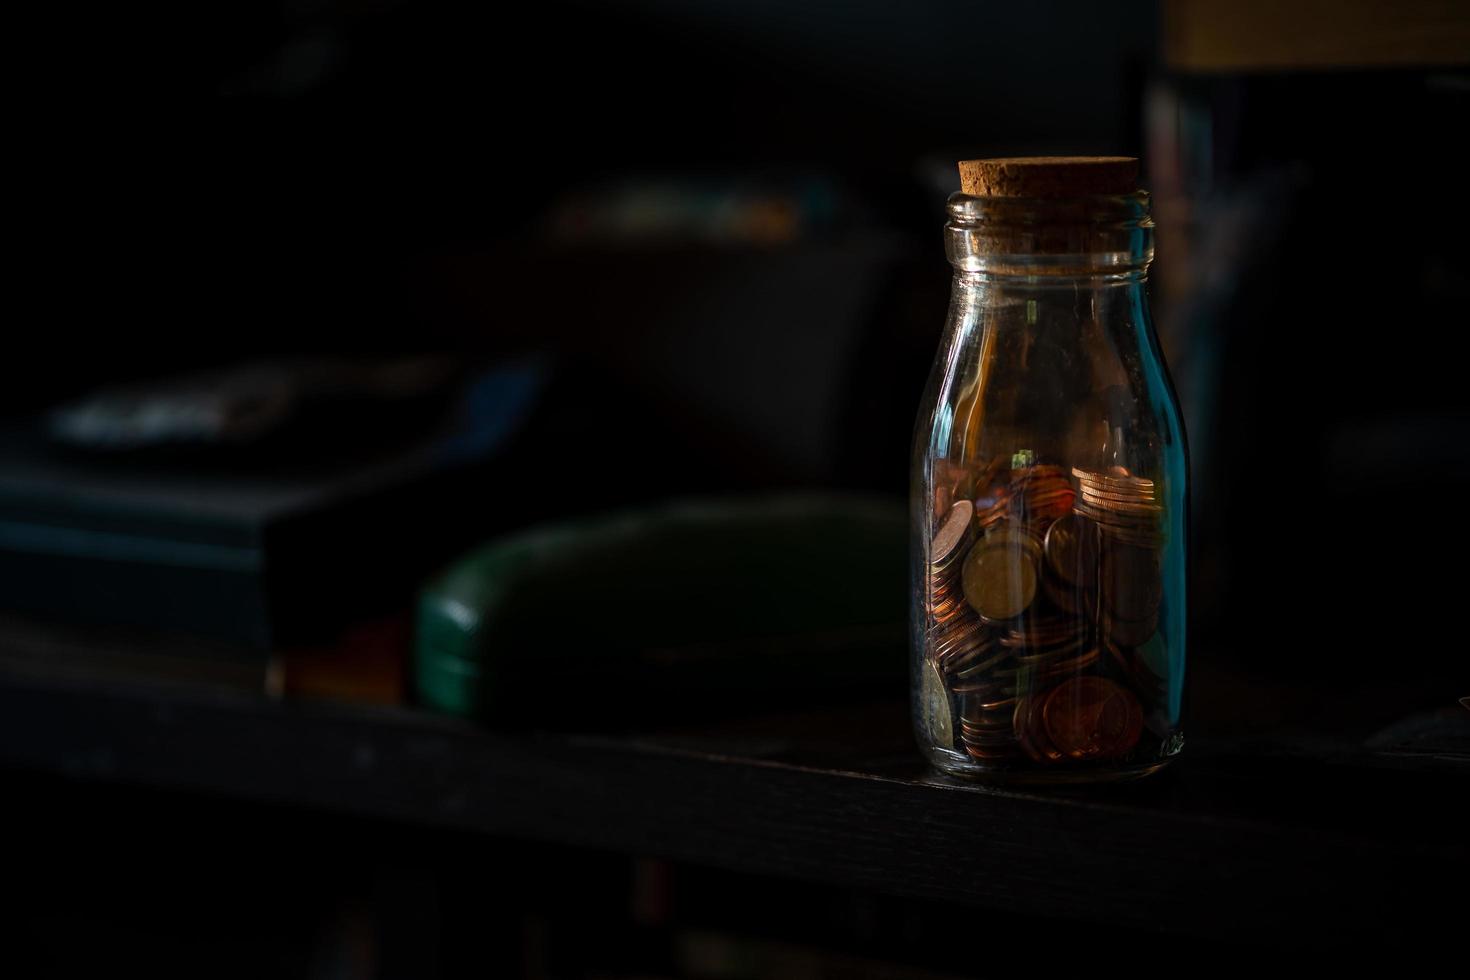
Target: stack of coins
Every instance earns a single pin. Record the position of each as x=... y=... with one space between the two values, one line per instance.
x=1042 y=494
x=1044 y=601
x=1125 y=507
x=1032 y=495
x=1072 y=567
x=985 y=719
x=956 y=633
x=951 y=542
x=1047 y=651
x=1126 y=512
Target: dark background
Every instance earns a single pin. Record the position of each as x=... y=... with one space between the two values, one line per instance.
x=211 y=185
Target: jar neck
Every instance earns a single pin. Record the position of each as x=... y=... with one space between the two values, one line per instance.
x=1108 y=237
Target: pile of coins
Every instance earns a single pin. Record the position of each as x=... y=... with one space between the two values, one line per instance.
x=1043 y=612
x=1034 y=495
x=1126 y=514
x=951 y=543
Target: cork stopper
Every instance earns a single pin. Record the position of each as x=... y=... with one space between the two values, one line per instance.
x=1049 y=176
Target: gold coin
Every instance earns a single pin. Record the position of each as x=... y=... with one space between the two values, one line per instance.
x=999 y=577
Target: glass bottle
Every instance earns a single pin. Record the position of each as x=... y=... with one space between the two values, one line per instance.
x=1049 y=488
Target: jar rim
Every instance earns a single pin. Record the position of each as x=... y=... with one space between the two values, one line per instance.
x=1108 y=234
x=1094 y=208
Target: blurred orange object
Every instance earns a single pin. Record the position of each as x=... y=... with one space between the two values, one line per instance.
x=367 y=665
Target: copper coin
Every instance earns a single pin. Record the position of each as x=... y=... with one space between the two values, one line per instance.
x=993 y=742
x=1092 y=718
x=1040 y=638
x=984 y=690
x=956 y=629
x=943 y=631
x=1061 y=668
x=975 y=670
x=951 y=611
x=943 y=586
x=992 y=508
x=990 y=728
x=956 y=656
x=987 y=714
x=985 y=754
x=1031 y=734
x=959 y=638
x=945 y=589
x=948 y=627
x=972 y=664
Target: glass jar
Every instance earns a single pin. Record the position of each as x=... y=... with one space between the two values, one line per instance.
x=1049 y=490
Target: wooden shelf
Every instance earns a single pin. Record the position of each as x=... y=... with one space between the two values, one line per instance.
x=1240 y=839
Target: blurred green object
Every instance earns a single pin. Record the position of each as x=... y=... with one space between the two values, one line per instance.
x=671 y=613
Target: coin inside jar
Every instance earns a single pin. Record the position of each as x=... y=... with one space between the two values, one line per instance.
x=936 y=709
x=1092 y=718
x=1063 y=547
x=999 y=576
x=1030 y=733
x=952 y=532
